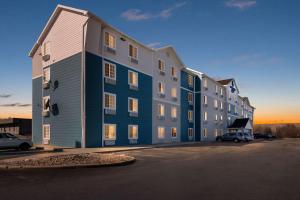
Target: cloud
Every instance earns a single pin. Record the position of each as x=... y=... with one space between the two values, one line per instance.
x=5 y=95
x=256 y=59
x=137 y=14
x=15 y=105
x=240 y=4
x=154 y=44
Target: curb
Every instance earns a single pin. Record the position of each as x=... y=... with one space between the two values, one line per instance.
x=123 y=163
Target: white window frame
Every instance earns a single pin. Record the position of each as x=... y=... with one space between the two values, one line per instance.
x=163 y=86
x=205 y=118
x=158 y=110
x=175 y=70
x=205 y=100
x=114 y=106
x=110 y=65
x=172 y=108
x=44 y=77
x=114 y=138
x=44 y=126
x=137 y=130
x=190 y=130
x=137 y=51
x=48 y=109
x=190 y=115
x=164 y=65
x=45 y=49
x=191 y=84
x=205 y=83
x=137 y=78
x=172 y=90
x=229 y=107
x=221 y=117
x=216 y=117
x=221 y=105
x=205 y=130
x=216 y=103
x=159 y=136
x=216 y=88
x=216 y=132
x=115 y=40
x=172 y=132
x=221 y=91
x=190 y=94
x=133 y=99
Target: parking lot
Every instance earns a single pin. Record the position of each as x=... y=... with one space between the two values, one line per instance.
x=258 y=170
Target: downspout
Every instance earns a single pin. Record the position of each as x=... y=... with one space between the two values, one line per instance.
x=83 y=117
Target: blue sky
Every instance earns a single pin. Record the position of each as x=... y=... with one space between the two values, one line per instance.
x=255 y=41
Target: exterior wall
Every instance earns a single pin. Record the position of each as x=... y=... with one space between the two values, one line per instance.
x=66 y=127
x=232 y=101
x=37 y=120
x=211 y=124
x=170 y=61
x=185 y=107
x=122 y=118
x=198 y=108
x=37 y=69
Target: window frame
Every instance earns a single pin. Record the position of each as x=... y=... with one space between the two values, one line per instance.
x=115 y=40
x=173 y=107
x=173 y=69
x=205 y=100
x=192 y=115
x=158 y=110
x=137 y=78
x=46 y=138
x=205 y=131
x=172 y=128
x=158 y=132
x=164 y=65
x=48 y=109
x=190 y=94
x=205 y=117
x=192 y=131
x=115 y=102
x=137 y=51
x=163 y=86
x=137 y=129
x=115 y=70
x=192 y=78
x=172 y=90
x=109 y=139
x=133 y=99
x=48 y=69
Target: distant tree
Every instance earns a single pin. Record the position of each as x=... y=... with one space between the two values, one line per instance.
x=288 y=131
x=268 y=130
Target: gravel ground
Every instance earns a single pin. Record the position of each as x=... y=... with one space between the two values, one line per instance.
x=68 y=160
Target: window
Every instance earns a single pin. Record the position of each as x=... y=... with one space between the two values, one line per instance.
x=174 y=72
x=161 y=65
x=46 y=48
x=161 y=110
x=190 y=97
x=173 y=132
x=46 y=103
x=109 y=101
x=205 y=132
x=133 y=51
x=133 y=78
x=205 y=83
x=110 y=70
x=46 y=75
x=229 y=107
x=205 y=116
x=174 y=112
x=221 y=91
x=205 y=100
x=46 y=131
x=216 y=118
x=216 y=103
x=174 y=92
x=190 y=80
x=216 y=132
x=190 y=115
x=110 y=40
x=221 y=117
x=133 y=131
x=235 y=110
x=216 y=89
x=161 y=87
x=133 y=105
x=221 y=105
x=190 y=132
x=109 y=131
x=161 y=132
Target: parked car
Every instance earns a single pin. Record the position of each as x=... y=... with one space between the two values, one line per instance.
x=10 y=141
x=235 y=137
x=248 y=137
x=263 y=136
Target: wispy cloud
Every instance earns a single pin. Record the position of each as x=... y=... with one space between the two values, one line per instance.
x=5 y=95
x=15 y=105
x=154 y=44
x=137 y=14
x=240 y=4
x=256 y=60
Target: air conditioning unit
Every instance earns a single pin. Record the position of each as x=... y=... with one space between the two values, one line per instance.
x=174 y=78
x=133 y=60
x=133 y=87
x=161 y=117
x=162 y=72
x=161 y=95
x=46 y=113
x=110 y=111
x=110 y=50
x=46 y=57
x=46 y=85
x=110 y=81
x=133 y=114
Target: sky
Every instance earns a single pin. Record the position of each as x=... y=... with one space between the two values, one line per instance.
x=254 y=41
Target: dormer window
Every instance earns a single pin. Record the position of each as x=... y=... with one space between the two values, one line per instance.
x=110 y=40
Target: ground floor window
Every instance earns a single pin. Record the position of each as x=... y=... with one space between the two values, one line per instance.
x=173 y=132
x=133 y=131
x=205 y=133
x=216 y=132
x=109 y=131
x=46 y=131
x=161 y=132
x=190 y=132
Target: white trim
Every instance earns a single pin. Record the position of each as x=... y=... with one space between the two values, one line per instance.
x=192 y=112
x=176 y=132
x=172 y=107
x=115 y=125
x=137 y=51
x=45 y=97
x=166 y=101
x=163 y=128
x=164 y=87
x=46 y=68
x=115 y=96
x=158 y=113
x=115 y=70
x=187 y=89
x=131 y=98
x=192 y=129
x=38 y=76
x=159 y=59
x=137 y=128
x=47 y=125
x=137 y=77
x=110 y=33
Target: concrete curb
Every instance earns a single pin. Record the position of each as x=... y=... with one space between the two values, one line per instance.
x=123 y=163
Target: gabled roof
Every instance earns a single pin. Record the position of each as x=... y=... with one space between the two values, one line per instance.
x=173 y=50
x=60 y=7
x=225 y=81
x=239 y=123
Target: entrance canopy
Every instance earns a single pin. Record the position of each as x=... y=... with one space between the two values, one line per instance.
x=241 y=125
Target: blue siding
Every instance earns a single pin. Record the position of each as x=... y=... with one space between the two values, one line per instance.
x=66 y=127
x=197 y=109
x=37 y=110
x=122 y=118
x=93 y=100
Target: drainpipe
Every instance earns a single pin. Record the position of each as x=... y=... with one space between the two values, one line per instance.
x=83 y=117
